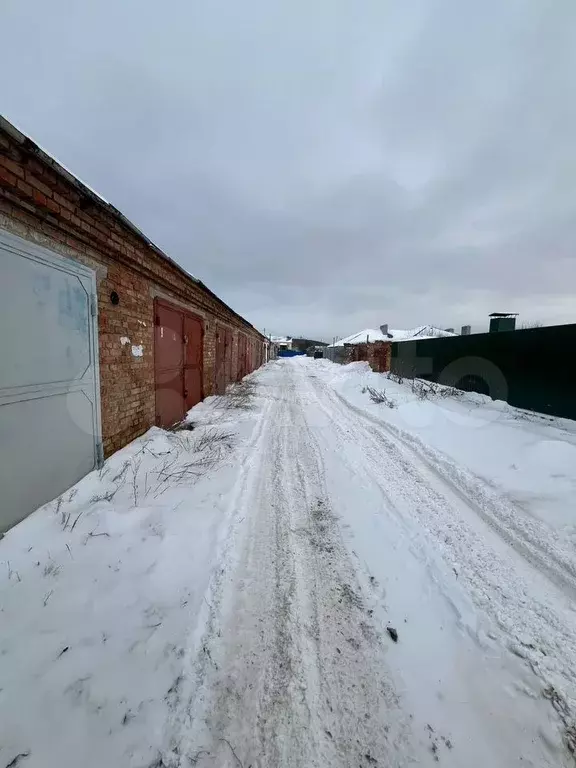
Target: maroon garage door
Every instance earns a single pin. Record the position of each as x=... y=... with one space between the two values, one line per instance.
x=222 y=367
x=177 y=362
x=242 y=369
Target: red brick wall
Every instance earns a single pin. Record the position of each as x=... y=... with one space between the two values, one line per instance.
x=376 y=354
x=37 y=203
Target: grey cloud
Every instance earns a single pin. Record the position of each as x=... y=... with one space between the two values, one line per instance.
x=326 y=166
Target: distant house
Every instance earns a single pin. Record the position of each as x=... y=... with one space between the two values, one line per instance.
x=282 y=342
x=300 y=345
x=370 y=335
x=373 y=345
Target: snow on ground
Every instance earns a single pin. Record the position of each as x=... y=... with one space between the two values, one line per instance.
x=529 y=457
x=514 y=539
x=307 y=580
x=101 y=591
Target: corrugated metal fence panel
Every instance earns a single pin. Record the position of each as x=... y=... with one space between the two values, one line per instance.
x=530 y=369
x=49 y=387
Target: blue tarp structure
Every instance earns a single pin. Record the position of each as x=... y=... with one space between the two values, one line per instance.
x=290 y=353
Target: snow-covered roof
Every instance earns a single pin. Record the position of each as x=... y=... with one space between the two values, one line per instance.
x=280 y=339
x=373 y=334
x=422 y=332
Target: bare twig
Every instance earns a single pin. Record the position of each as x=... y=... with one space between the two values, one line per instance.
x=75 y=521
x=47 y=597
x=22 y=756
x=122 y=474
x=194 y=758
x=108 y=496
x=233 y=752
x=51 y=569
x=239 y=396
x=69 y=551
x=380 y=396
x=11 y=572
x=135 y=465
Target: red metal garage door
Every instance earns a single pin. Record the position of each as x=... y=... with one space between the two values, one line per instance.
x=177 y=362
x=228 y=358
x=223 y=363
x=242 y=357
x=193 y=338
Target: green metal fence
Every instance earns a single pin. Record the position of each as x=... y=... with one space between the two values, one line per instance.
x=532 y=369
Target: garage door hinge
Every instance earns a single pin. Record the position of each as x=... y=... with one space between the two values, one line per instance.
x=93 y=305
x=99 y=454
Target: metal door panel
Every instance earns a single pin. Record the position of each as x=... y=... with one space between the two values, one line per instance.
x=221 y=361
x=228 y=359
x=168 y=364
x=242 y=367
x=193 y=334
x=49 y=386
x=169 y=349
x=177 y=362
x=193 y=387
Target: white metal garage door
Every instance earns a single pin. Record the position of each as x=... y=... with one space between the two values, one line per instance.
x=49 y=387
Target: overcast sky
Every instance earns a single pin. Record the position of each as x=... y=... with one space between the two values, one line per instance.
x=323 y=166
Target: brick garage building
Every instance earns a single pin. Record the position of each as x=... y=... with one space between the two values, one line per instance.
x=376 y=353
x=142 y=339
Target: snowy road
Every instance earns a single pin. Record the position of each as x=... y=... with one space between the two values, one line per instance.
x=208 y=600
x=346 y=530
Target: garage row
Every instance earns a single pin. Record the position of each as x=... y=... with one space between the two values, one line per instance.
x=102 y=335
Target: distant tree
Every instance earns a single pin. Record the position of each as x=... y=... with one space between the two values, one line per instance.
x=533 y=324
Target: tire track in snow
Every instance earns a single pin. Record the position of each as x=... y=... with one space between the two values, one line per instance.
x=297 y=673
x=557 y=565
x=534 y=615
x=188 y=689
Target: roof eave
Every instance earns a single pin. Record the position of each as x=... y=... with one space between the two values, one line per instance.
x=31 y=146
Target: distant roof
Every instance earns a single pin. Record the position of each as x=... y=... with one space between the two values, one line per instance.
x=373 y=334
x=504 y=314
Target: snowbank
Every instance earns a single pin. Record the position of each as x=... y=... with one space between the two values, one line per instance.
x=530 y=457
x=101 y=591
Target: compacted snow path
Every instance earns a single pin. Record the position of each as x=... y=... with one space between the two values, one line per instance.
x=346 y=533
x=296 y=666
x=293 y=583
